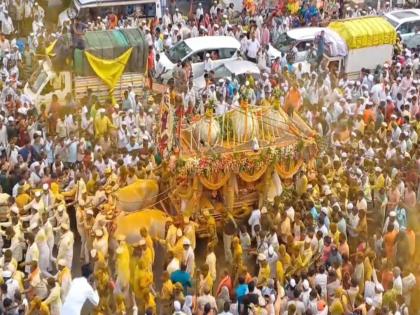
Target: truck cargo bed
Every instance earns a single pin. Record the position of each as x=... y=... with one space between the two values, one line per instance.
x=368 y=58
x=81 y=84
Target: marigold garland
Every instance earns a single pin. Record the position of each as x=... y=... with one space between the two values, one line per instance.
x=241 y=161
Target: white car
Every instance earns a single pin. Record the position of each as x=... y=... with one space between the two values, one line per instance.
x=226 y=48
x=406 y=22
x=413 y=42
x=274 y=53
x=297 y=39
x=239 y=68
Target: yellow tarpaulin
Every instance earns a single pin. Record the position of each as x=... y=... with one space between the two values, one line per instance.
x=50 y=48
x=365 y=32
x=109 y=70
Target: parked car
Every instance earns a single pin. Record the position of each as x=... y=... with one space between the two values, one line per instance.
x=221 y=48
x=413 y=42
x=238 y=68
x=405 y=22
x=297 y=40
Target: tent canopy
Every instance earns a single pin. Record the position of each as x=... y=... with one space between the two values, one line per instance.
x=365 y=32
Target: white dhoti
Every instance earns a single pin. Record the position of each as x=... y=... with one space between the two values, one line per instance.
x=44 y=258
x=83 y=243
x=55 y=308
x=227 y=243
x=50 y=243
x=69 y=259
x=66 y=254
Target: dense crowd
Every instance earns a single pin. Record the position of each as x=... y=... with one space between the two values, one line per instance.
x=342 y=241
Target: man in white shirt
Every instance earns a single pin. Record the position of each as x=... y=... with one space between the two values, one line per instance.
x=32 y=253
x=65 y=245
x=36 y=174
x=174 y=264
x=159 y=68
x=221 y=107
x=397 y=285
x=377 y=92
x=226 y=309
x=177 y=17
x=252 y=49
x=166 y=18
x=396 y=132
x=3 y=136
x=72 y=148
x=167 y=41
x=391 y=220
x=132 y=145
x=206 y=298
x=37 y=203
x=123 y=136
x=321 y=280
x=12 y=284
x=337 y=109
x=132 y=96
x=361 y=203
x=7 y=24
x=81 y=289
x=254 y=220
x=353 y=220
x=199 y=12
x=208 y=63
x=189 y=257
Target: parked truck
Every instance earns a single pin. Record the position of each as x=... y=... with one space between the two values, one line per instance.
x=51 y=77
x=88 y=9
x=350 y=44
x=369 y=43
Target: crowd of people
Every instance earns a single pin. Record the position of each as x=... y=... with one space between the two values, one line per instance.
x=342 y=241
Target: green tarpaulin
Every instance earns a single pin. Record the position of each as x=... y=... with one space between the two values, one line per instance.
x=111 y=44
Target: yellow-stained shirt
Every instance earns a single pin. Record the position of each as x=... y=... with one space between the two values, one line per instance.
x=302 y=185
x=336 y=307
x=280 y=272
x=111 y=181
x=167 y=290
x=134 y=260
x=304 y=258
x=171 y=236
x=206 y=282
x=42 y=309
x=146 y=259
x=64 y=280
x=189 y=233
x=379 y=183
x=122 y=265
x=90 y=186
x=211 y=224
x=178 y=249
x=264 y=275
x=150 y=303
x=102 y=126
x=237 y=255
x=149 y=244
x=335 y=237
x=22 y=200
x=142 y=280
x=19 y=277
x=368 y=269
